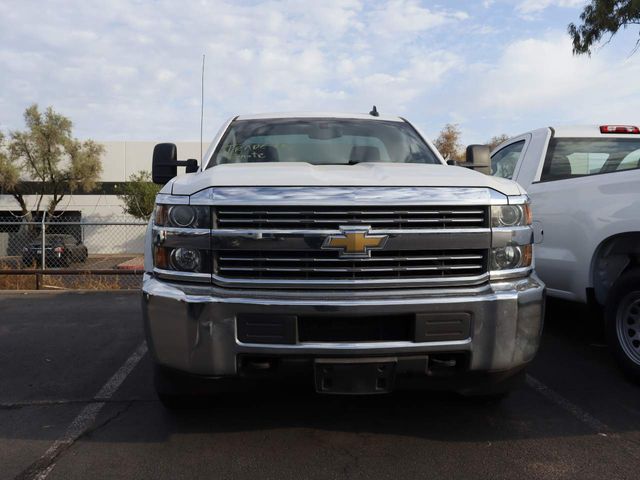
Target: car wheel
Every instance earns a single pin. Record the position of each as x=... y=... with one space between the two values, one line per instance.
x=622 y=317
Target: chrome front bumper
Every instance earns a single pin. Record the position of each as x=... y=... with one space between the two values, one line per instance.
x=192 y=328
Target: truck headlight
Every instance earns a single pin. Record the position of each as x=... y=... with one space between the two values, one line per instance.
x=510 y=215
x=182 y=216
x=511 y=257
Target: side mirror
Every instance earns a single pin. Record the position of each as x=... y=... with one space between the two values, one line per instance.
x=478 y=157
x=191 y=165
x=165 y=163
x=451 y=162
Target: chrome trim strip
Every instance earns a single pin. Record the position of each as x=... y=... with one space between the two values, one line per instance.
x=361 y=221
x=182 y=276
x=168 y=199
x=510 y=274
x=504 y=236
x=200 y=289
x=199 y=238
x=322 y=347
x=210 y=294
x=309 y=240
x=183 y=231
x=265 y=211
x=518 y=199
x=417 y=258
x=351 y=283
x=333 y=196
x=260 y=232
x=426 y=268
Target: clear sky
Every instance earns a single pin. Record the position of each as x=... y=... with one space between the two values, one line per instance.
x=130 y=70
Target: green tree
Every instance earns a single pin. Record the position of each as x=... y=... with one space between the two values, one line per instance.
x=9 y=173
x=493 y=142
x=603 y=18
x=448 y=143
x=139 y=195
x=46 y=154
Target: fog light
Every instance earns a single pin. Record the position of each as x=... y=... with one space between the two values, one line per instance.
x=511 y=257
x=186 y=259
x=506 y=258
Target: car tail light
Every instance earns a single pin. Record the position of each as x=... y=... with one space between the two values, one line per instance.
x=619 y=129
x=58 y=250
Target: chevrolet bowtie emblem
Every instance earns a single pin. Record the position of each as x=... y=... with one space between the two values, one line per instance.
x=355 y=242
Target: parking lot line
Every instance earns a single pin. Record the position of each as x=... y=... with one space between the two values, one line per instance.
x=593 y=423
x=589 y=420
x=40 y=469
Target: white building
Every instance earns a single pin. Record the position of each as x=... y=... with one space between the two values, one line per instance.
x=120 y=160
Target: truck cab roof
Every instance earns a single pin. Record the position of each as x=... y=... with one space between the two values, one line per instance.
x=283 y=115
x=585 y=131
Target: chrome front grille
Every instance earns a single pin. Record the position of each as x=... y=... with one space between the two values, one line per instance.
x=326 y=265
x=285 y=245
x=328 y=218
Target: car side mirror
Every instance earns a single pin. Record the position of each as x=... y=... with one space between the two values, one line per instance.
x=165 y=163
x=451 y=162
x=478 y=157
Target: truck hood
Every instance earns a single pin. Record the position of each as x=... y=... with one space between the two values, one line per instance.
x=300 y=174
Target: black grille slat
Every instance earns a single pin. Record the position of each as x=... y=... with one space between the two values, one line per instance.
x=404 y=217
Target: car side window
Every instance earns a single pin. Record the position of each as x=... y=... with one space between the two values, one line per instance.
x=504 y=161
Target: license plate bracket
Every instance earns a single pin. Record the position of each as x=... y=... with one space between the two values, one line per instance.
x=355 y=376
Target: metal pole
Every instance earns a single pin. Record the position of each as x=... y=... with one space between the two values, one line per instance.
x=43 y=226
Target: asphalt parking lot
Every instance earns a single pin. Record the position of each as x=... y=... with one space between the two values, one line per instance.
x=77 y=402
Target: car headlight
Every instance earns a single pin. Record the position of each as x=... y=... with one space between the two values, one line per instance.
x=510 y=215
x=511 y=257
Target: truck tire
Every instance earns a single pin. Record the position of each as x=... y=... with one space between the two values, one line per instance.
x=622 y=322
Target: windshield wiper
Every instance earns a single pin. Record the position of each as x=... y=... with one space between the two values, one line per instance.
x=350 y=162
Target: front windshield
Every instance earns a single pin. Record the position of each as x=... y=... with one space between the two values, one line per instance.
x=321 y=141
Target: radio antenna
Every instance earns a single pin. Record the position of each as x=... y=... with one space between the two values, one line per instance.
x=201 y=106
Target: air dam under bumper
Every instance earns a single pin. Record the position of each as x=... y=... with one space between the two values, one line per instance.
x=193 y=328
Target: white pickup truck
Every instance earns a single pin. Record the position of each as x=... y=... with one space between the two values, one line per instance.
x=340 y=249
x=584 y=183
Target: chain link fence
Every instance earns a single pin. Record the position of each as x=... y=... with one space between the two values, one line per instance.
x=54 y=253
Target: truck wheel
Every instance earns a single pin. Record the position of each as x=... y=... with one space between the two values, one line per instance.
x=622 y=317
